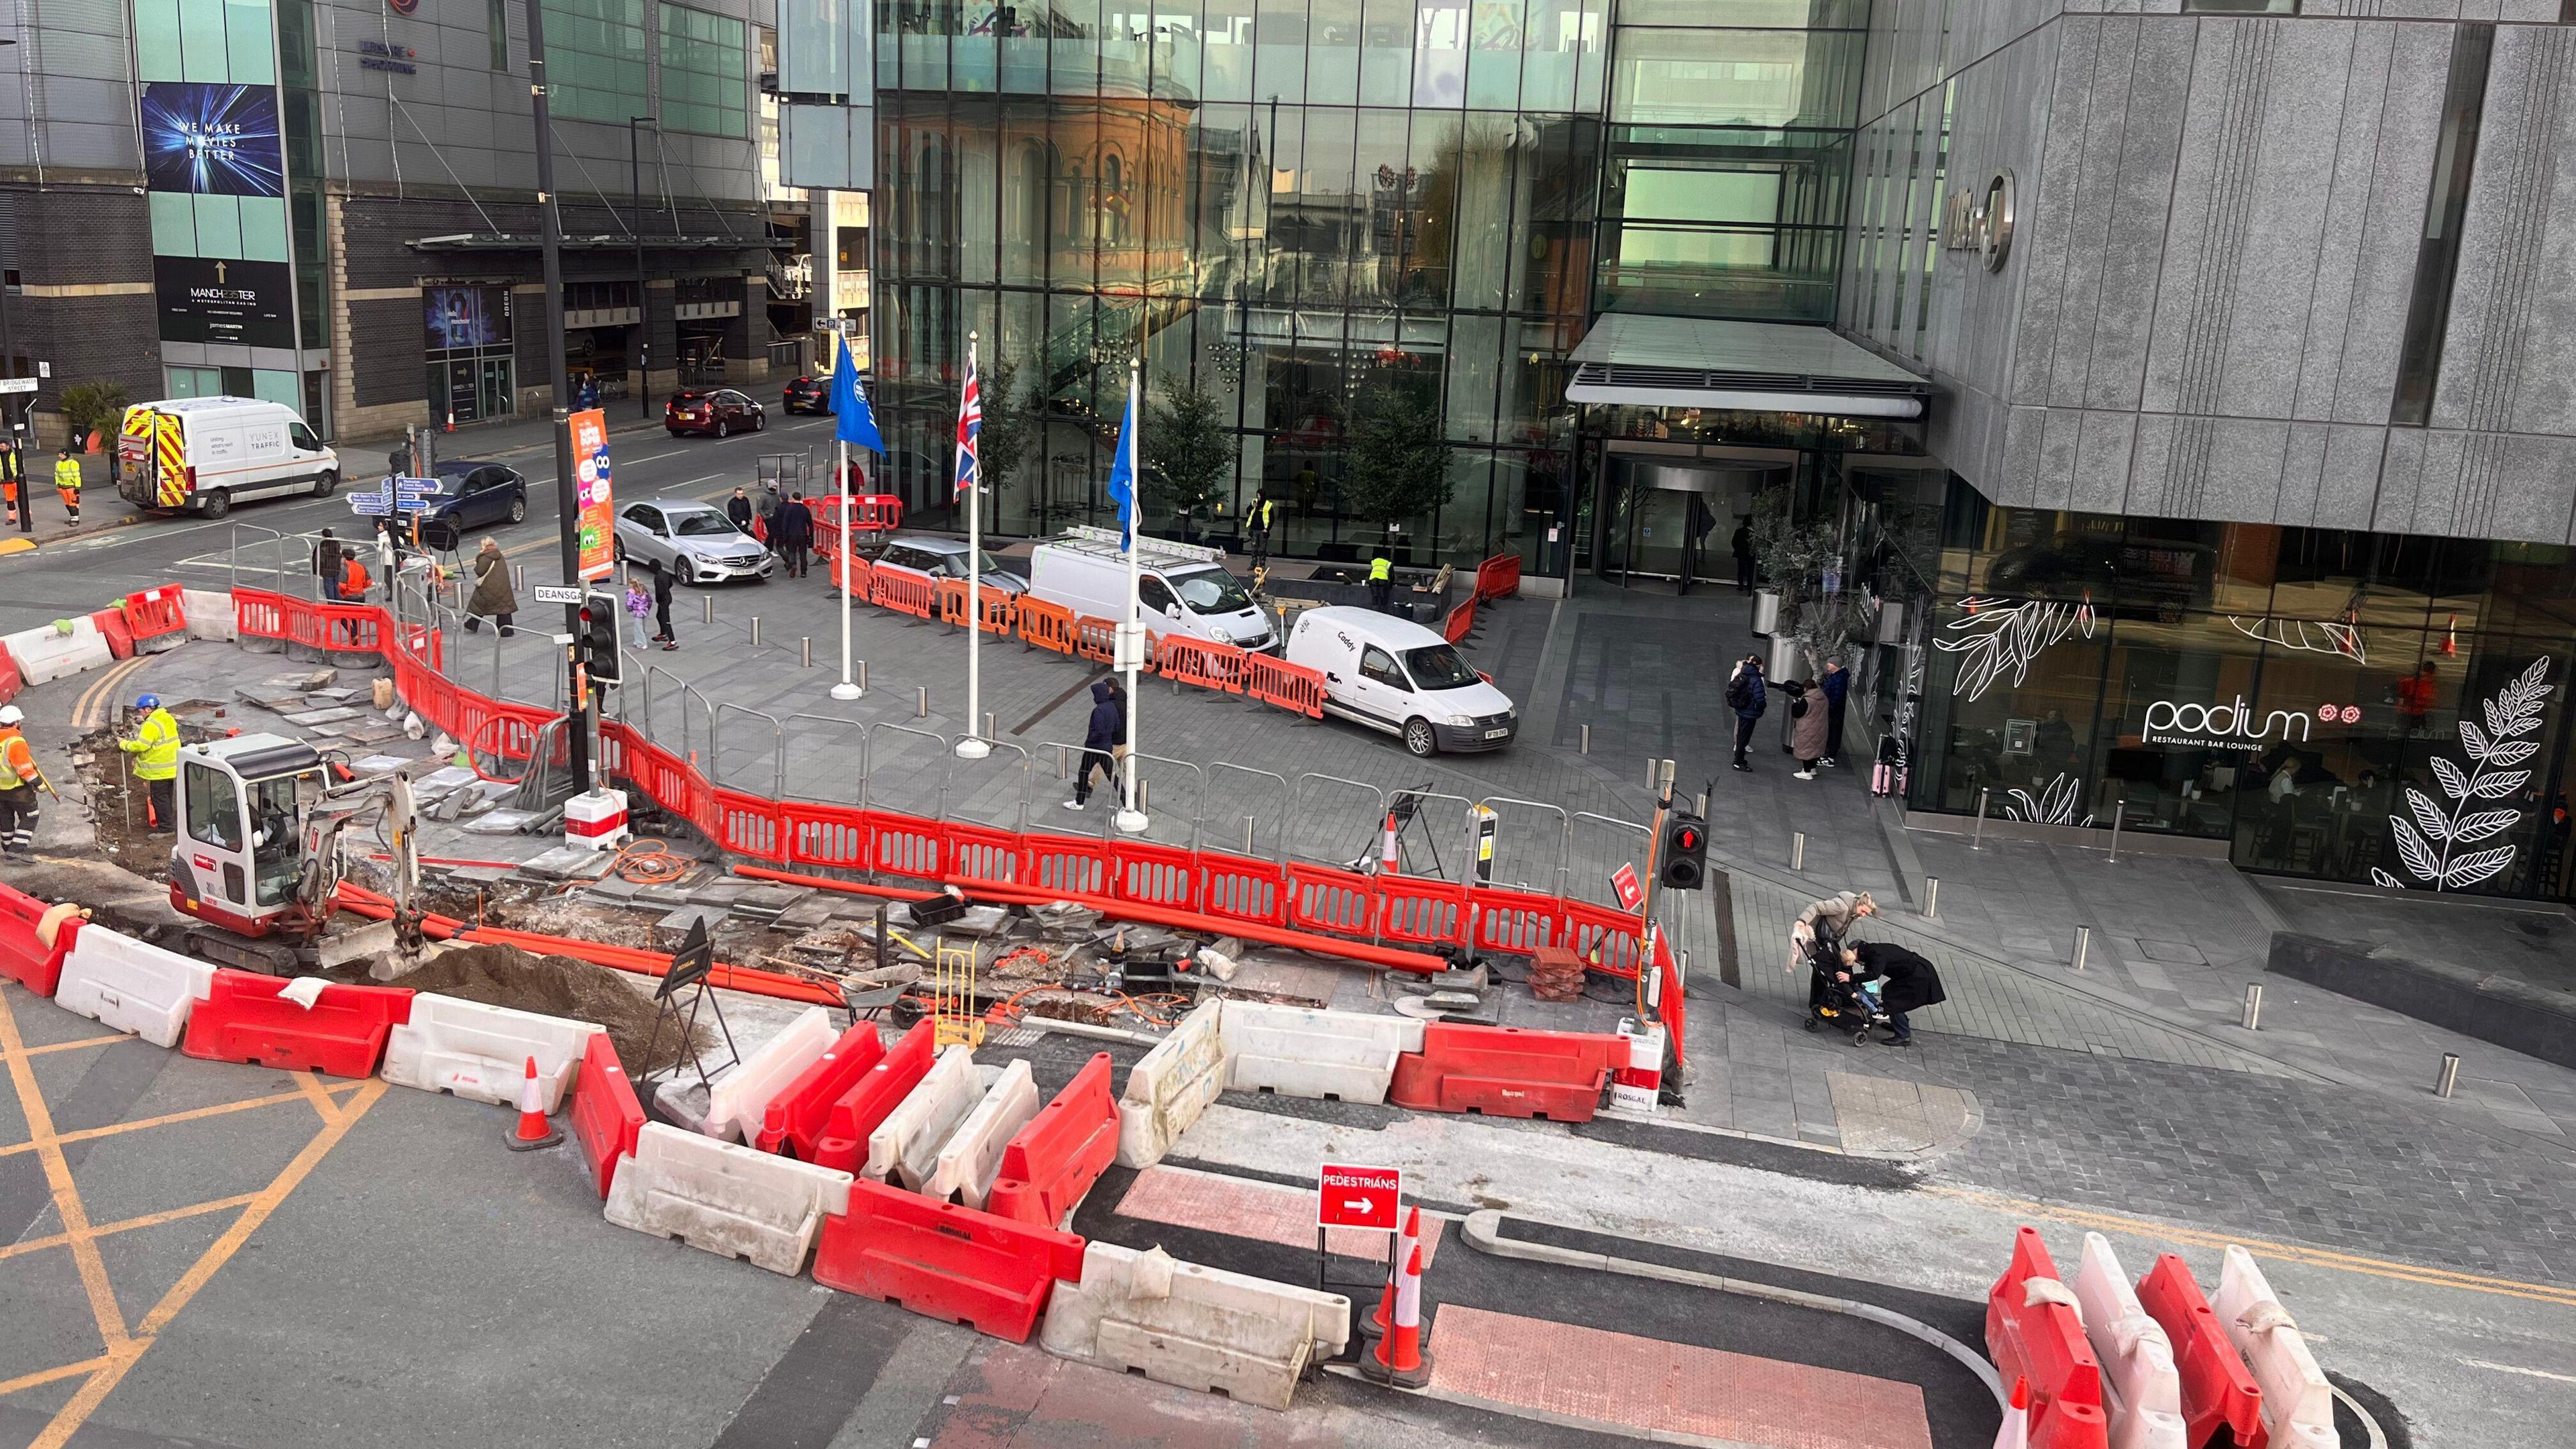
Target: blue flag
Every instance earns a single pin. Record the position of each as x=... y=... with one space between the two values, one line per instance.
x=1122 y=476
x=853 y=423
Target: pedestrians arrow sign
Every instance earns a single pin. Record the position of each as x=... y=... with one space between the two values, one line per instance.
x=1359 y=1197
x=1624 y=881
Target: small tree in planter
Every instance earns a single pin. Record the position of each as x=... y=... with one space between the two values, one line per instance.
x=91 y=405
x=1795 y=556
x=1009 y=421
x=1399 y=451
x=1188 y=454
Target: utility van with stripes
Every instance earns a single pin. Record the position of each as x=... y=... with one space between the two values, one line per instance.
x=204 y=454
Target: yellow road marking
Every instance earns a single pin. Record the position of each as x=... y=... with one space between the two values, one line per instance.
x=47 y=1376
x=58 y=1178
x=87 y=1134
x=314 y=1092
x=67 y=1046
x=85 y=714
x=148 y=1220
x=2288 y=1252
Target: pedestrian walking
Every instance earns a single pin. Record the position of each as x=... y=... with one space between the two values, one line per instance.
x=1256 y=529
x=638 y=604
x=792 y=533
x=1744 y=559
x=1381 y=582
x=1746 y=696
x=326 y=563
x=738 y=509
x=1907 y=983
x=1837 y=686
x=67 y=483
x=1104 y=743
x=493 y=597
x=19 y=782
x=765 y=508
x=1807 y=725
x=354 y=582
x=662 y=605
x=155 y=747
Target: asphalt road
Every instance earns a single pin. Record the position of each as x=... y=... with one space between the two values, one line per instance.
x=79 y=575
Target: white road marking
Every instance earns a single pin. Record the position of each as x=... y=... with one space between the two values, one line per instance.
x=2506 y=1368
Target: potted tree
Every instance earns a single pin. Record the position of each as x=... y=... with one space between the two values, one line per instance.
x=1399 y=452
x=1188 y=455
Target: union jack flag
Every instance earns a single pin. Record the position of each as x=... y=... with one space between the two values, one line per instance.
x=970 y=423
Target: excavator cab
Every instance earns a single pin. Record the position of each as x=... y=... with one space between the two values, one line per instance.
x=238 y=857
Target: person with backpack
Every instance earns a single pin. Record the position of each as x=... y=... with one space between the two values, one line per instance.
x=1810 y=723
x=1745 y=696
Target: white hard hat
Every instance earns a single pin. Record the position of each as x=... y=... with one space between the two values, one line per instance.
x=10 y=714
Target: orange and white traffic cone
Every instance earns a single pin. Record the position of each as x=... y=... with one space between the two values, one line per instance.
x=2015 y=1433
x=1376 y=1323
x=534 y=1131
x=1399 y=1358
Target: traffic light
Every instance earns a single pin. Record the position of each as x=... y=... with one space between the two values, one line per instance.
x=595 y=646
x=1681 y=858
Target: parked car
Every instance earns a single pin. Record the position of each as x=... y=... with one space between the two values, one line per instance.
x=1394 y=675
x=470 y=495
x=1184 y=588
x=808 y=395
x=205 y=454
x=718 y=410
x=945 y=558
x=694 y=540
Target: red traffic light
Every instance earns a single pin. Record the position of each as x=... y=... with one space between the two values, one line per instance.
x=1687 y=838
x=585 y=616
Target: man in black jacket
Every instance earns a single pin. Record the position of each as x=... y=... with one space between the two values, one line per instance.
x=1100 y=742
x=792 y=533
x=662 y=605
x=738 y=510
x=1910 y=983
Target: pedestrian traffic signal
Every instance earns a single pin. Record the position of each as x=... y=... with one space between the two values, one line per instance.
x=1682 y=856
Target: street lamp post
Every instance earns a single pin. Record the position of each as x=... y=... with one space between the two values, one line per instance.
x=567 y=487
x=643 y=294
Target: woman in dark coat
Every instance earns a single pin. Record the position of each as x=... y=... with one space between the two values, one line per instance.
x=1911 y=983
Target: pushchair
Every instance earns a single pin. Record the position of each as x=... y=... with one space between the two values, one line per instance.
x=1843 y=1006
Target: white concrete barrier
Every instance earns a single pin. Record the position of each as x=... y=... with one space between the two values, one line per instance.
x=481 y=1052
x=1171 y=1086
x=44 y=654
x=2298 y=1403
x=972 y=1155
x=209 y=613
x=725 y=1198
x=131 y=985
x=741 y=1097
x=905 y=1147
x=1309 y=1052
x=2137 y=1357
x=1193 y=1327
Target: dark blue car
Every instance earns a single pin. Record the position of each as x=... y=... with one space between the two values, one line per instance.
x=470 y=495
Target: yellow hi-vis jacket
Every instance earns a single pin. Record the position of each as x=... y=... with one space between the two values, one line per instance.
x=67 y=474
x=158 y=745
x=1380 y=570
x=17 y=760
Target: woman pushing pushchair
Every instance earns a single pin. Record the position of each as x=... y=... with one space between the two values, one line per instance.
x=1855 y=985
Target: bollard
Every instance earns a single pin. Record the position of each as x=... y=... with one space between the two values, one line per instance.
x=2118 y=809
x=1144 y=794
x=863 y=676
x=805 y=650
x=921 y=706
x=1653 y=767
x=992 y=726
x=1249 y=821
x=1797 y=850
x=755 y=631
x=2449 y=1076
x=2252 y=1019
x=1585 y=747
x=518 y=577
x=1699 y=806
x=1063 y=763
x=1931 y=897
x=1978 y=840
x=707 y=608
x=2083 y=945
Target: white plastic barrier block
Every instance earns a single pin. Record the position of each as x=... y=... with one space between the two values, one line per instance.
x=209 y=613
x=1310 y=1052
x=905 y=1147
x=972 y=1156
x=2137 y=1357
x=43 y=654
x=131 y=985
x=481 y=1052
x=725 y=1198
x=737 y=1103
x=2298 y=1403
x=1171 y=1086
x=1191 y=1326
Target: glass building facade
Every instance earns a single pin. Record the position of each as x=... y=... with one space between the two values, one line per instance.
x=1285 y=203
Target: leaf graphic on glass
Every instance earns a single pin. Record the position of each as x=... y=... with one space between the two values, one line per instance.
x=2426 y=841
x=1996 y=637
x=2055 y=804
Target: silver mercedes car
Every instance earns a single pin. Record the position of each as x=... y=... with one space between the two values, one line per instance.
x=694 y=540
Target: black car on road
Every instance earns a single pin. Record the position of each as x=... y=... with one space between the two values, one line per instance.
x=808 y=395
x=470 y=495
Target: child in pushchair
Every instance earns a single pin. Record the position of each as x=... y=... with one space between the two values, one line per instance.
x=1834 y=999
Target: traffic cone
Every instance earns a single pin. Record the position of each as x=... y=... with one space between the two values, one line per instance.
x=534 y=1131
x=1399 y=1358
x=451 y=420
x=2015 y=1433
x=1376 y=1323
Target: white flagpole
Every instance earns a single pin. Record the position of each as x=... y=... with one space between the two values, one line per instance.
x=1131 y=820
x=847 y=688
x=972 y=746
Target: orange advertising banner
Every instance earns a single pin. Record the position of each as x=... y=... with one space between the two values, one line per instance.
x=598 y=524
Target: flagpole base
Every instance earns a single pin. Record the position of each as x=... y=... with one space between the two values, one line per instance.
x=971 y=748
x=845 y=690
x=1130 y=822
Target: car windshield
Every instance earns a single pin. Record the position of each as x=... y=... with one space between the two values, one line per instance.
x=700 y=523
x=1210 y=591
x=1439 y=667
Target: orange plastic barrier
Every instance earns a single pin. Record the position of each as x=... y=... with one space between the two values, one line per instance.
x=1292 y=687
x=156 y=617
x=2218 y=1391
x=111 y=624
x=797 y=1115
x=841 y=1139
x=1199 y=662
x=1097 y=641
x=904 y=592
x=2044 y=1343
x=11 y=681
x=952 y=601
x=606 y=1117
x=1057 y=1157
x=1505 y=1071
x=1462 y=621
x=25 y=956
x=1499 y=577
x=243 y=1019
x=945 y=1261
x=1045 y=625
x=997 y=605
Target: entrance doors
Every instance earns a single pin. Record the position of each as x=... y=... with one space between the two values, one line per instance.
x=1674 y=519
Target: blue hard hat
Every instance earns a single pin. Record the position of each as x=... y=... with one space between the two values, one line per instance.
x=149 y=701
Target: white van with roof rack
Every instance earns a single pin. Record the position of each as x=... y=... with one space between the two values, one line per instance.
x=1184 y=588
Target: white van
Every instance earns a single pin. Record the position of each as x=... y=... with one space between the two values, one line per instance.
x=1394 y=675
x=205 y=454
x=1184 y=589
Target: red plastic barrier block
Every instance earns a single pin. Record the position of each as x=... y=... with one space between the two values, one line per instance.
x=2045 y=1344
x=2218 y=1391
x=842 y=1141
x=1505 y=1071
x=796 y=1116
x=25 y=956
x=1057 y=1157
x=11 y=681
x=155 y=612
x=606 y=1117
x=245 y=1020
x=945 y=1261
x=111 y=624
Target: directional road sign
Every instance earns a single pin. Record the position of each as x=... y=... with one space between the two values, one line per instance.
x=556 y=594
x=1359 y=1197
x=1624 y=881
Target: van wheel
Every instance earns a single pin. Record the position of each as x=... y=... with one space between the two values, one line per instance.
x=1419 y=741
x=326 y=485
x=214 y=505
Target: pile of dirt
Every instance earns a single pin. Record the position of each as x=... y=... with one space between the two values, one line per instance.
x=557 y=986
